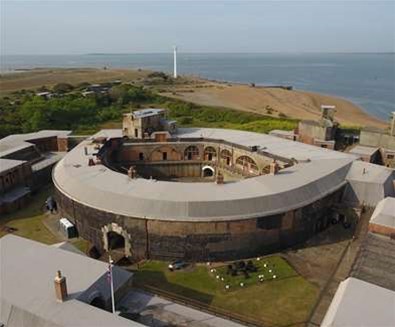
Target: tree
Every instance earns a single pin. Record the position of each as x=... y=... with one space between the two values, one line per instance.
x=63 y=88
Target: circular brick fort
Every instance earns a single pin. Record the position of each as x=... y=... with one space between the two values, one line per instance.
x=154 y=191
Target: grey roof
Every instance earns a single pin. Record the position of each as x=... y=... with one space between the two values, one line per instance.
x=294 y=187
x=7 y=164
x=369 y=183
x=147 y=112
x=27 y=274
x=384 y=214
x=364 y=150
x=16 y=142
x=358 y=303
x=375 y=262
x=48 y=159
x=276 y=132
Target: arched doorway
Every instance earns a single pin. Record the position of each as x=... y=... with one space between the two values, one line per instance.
x=117 y=238
x=246 y=164
x=210 y=154
x=208 y=171
x=226 y=157
x=115 y=241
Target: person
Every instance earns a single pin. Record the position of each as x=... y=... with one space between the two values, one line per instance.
x=51 y=205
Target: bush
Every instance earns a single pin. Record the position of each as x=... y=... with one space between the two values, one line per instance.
x=63 y=88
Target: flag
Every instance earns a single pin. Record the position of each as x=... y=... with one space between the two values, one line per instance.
x=109 y=273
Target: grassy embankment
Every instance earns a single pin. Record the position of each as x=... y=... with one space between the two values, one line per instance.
x=284 y=301
x=28 y=222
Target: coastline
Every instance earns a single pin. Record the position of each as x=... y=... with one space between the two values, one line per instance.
x=278 y=102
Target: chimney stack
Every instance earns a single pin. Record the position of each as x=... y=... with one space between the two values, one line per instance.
x=132 y=172
x=60 y=287
x=274 y=168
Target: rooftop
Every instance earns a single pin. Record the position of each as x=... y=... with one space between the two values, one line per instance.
x=384 y=214
x=7 y=164
x=146 y=112
x=15 y=142
x=375 y=262
x=358 y=303
x=364 y=150
x=27 y=293
x=318 y=173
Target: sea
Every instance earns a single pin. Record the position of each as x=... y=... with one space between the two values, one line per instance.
x=366 y=79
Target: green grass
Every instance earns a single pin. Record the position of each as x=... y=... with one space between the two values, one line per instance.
x=271 y=268
x=28 y=221
x=284 y=301
x=81 y=244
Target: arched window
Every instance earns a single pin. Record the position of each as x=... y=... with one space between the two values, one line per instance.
x=247 y=164
x=226 y=157
x=191 y=153
x=210 y=153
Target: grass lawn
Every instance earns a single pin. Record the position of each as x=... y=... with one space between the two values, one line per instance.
x=28 y=221
x=271 y=268
x=80 y=244
x=284 y=301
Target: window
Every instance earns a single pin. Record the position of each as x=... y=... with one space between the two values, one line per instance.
x=246 y=163
x=390 y=156
x=210 y=153
x=164 y=155
x=136 y=132
x=226 y=157
x=141 y=156
x=192 y=153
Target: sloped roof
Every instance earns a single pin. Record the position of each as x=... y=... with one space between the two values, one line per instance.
x=358 y=303
x=7 y=164
x=27 y=273
x=384 y=214
x=369 y=183
x=16 y=142
x=318 y=173
x=364 y=150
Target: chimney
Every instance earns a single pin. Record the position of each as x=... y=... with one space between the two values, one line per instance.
x=132 y=172
x=60 y=287
x=274 y=168
x=220 y=178
x=392 y=126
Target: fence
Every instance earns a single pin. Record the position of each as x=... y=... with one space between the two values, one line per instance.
x=219 y=312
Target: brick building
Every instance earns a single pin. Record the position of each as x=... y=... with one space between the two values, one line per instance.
x=26 y=162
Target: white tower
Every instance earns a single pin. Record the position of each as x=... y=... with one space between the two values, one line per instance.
x=175 y=62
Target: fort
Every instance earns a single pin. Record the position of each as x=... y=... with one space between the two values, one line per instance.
x=152 y=190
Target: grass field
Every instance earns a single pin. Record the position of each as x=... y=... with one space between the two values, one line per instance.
x=285 y=301
x=28 y=221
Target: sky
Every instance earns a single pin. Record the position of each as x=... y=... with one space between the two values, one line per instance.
x=79 y=27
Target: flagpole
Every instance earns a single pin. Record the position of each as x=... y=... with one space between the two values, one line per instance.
x=112 y=285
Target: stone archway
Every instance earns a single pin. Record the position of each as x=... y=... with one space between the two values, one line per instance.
x=114 y=228
x=208 y=171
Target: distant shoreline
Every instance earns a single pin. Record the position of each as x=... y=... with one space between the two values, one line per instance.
x=299 y=104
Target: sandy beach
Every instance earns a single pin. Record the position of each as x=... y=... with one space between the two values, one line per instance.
x=274 y=101
x=267 y=101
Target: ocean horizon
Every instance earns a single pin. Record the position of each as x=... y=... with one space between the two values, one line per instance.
x=366 y=79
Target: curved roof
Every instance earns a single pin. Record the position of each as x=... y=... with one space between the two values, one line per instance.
x=292 y=188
